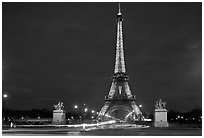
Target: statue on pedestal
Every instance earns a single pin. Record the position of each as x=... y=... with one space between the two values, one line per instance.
x=160 y=115
x=160 y=105
x=59 y=117
x=59 y=106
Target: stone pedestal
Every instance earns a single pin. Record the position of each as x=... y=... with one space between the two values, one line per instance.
x=59 y=117
x=160 y=118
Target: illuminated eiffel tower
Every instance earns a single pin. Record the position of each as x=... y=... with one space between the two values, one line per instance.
x=120 y=103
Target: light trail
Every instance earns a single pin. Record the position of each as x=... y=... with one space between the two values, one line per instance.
x=129 y=114
x=77 y=125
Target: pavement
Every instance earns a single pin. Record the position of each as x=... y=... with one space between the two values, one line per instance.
x=94 y=131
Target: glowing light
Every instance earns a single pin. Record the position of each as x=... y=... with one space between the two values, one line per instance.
x=147 y=119
x=92 y=111
x=92 y=117
x=75 y=106
x=140 y=105
x=86 y=109
x=97 y=113
x=111 y=121
x=5 y=95
x=120 y=88
x=181 y=117
x=129 y=114
x=107 y=122
x=108 y=116
x=38 y=117
x=178 y=116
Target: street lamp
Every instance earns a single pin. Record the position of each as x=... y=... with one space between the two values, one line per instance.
x=5 y=96
x=140 y=106
x=85 y=110
x=76 y=106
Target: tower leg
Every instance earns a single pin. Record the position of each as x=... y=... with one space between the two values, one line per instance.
x=136 y=110
x=103 y=110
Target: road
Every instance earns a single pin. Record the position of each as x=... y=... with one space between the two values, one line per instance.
x=103 y=132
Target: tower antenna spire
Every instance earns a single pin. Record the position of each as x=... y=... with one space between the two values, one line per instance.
x=119 y=60
x=119 y=9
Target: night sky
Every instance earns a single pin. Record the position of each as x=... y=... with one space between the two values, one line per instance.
x=66 y=52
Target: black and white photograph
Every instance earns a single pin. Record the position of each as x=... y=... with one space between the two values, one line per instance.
x=110 y=68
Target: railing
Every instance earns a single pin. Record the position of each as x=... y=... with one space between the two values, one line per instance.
x=120 y=97
x=120 y=77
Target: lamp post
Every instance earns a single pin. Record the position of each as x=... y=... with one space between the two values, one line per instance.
x=76 y=112
x=5 y=96
x=85 y=110
x=142 y=116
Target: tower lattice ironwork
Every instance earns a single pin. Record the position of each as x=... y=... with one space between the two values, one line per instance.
x=120 y=103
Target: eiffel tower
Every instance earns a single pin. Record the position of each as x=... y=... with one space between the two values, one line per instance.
x=120 y=103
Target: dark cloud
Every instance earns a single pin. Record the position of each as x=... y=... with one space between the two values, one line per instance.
x=66 y=51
